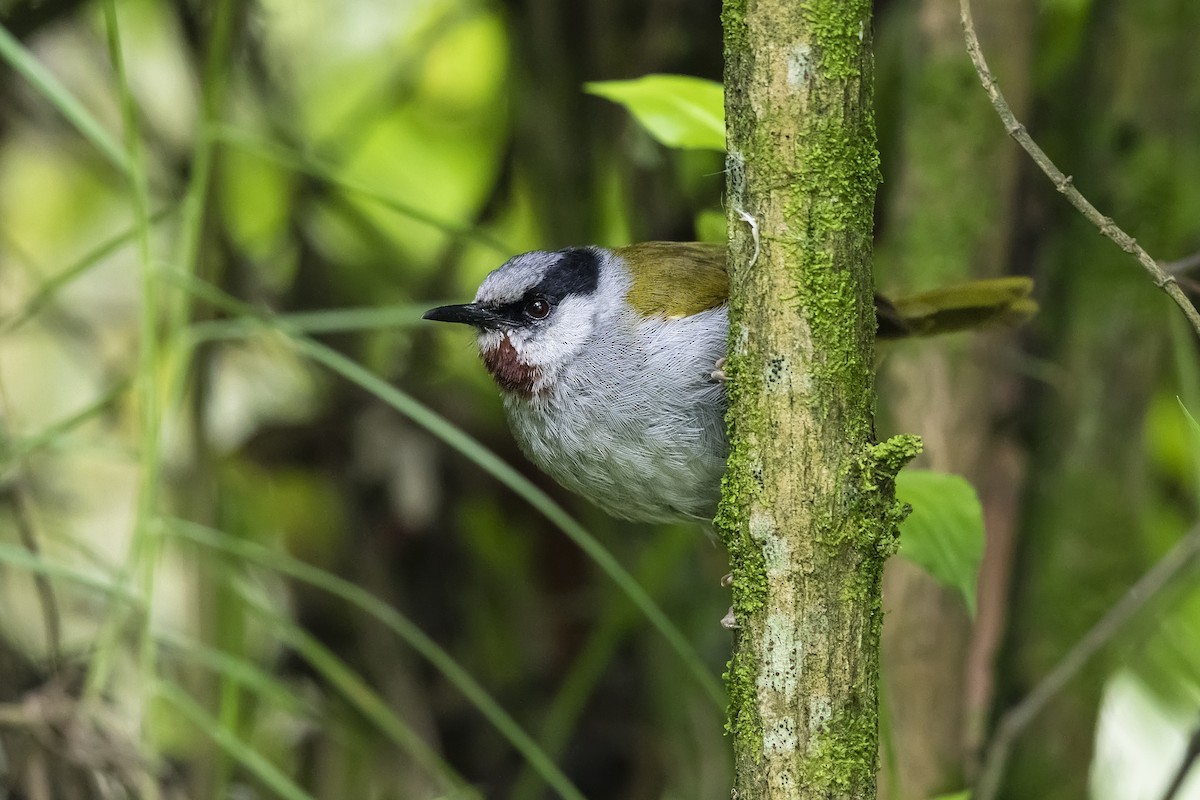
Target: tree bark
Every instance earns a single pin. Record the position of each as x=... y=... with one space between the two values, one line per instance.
x=808 y=512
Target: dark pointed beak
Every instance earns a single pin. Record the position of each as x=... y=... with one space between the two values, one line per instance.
x=467 y=313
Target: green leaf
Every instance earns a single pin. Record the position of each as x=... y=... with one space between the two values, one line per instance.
x=677 y=110
x=944 y=532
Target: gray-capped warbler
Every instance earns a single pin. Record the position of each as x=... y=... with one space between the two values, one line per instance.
x=609 y=364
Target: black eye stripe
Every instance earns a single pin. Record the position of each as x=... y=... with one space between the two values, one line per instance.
x=514 y=312
x=577 y=271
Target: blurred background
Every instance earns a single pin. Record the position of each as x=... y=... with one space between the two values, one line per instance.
x=254 y=541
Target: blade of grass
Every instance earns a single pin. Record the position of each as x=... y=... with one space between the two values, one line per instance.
x=238 y=670
x=524 y=488
x=242 y=671
x=224 y=616
x=235 y=748
x=359 y=695
x=487 y=461
x=394 y=621
x=49 y=87
x=656 y=564
x=52 y=285
x=23 y=559
x=27 y=445
x=314 y=167
x=195 y=199
x=142 y=556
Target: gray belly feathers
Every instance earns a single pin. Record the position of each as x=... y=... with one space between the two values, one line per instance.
x=637 y=426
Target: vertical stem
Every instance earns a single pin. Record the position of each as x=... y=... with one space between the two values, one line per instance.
x=221 y=612
x=161 y=369
x=143 y=549
x=808 y=512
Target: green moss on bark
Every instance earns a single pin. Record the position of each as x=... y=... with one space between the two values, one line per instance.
x=808 y=512
x=741 y=486
x=839 y=28
x=843 y=756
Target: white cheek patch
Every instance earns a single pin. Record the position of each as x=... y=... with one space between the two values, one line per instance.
x=551 y=345
x=489 y=340
x=548 y=347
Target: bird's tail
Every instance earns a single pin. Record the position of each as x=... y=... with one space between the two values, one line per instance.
x=999 y=302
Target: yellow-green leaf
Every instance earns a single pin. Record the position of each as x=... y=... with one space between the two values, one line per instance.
x=944 y=532
x=677 y=110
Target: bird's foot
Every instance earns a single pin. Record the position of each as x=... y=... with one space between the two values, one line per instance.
x=718 y=374
x=728 y=622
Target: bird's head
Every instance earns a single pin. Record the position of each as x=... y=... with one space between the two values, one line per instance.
x=536 y=313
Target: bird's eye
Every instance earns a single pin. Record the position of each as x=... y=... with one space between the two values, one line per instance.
x=537 y=308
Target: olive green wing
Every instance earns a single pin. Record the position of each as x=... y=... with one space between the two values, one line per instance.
x=676 y=279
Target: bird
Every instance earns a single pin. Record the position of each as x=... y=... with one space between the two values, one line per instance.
x=609 y=362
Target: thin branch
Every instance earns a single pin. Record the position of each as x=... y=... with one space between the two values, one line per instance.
x=1189 y=758
x=1062 y=181
x=1014 y=722
x=1017 y=719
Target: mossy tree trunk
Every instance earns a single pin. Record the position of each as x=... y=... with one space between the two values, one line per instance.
x=808 y=513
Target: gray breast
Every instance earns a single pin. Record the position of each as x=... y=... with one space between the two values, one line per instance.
x=638 y=426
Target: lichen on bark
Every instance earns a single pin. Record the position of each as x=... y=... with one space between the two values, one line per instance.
x=808 y=510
